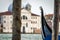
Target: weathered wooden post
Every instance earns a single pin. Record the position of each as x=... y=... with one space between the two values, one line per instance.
x=16 y=20
x=55 y=22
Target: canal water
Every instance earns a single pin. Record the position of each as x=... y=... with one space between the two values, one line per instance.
x=23 y=37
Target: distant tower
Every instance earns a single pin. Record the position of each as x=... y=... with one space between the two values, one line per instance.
x=28 y=7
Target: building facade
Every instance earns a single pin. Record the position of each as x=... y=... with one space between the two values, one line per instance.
x=49 y=19
x=30 y=21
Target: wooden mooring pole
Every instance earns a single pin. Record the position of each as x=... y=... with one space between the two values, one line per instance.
x=16 y=34
x=55 y=21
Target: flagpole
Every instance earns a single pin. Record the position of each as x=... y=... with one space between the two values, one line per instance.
x=55 y=21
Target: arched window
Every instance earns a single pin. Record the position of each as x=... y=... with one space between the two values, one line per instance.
x=26 y=24
x=24 y=17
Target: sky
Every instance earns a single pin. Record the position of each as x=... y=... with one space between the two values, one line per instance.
x=48 y=5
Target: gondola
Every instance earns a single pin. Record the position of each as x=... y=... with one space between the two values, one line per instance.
x=46 y=30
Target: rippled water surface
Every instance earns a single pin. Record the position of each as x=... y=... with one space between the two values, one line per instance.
x=23 y=37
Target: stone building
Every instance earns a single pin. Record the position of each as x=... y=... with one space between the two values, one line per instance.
x=30 y=21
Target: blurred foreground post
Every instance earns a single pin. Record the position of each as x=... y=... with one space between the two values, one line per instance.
x=56 y=20
x=16 y=20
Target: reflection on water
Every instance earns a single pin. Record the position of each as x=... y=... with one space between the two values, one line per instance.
x=23 y=37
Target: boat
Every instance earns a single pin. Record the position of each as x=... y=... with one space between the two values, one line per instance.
x=46 y=30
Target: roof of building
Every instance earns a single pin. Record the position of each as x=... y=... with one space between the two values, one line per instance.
x=49 y=15
x=9 y=13
x=34 y=14
x=5 y=13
